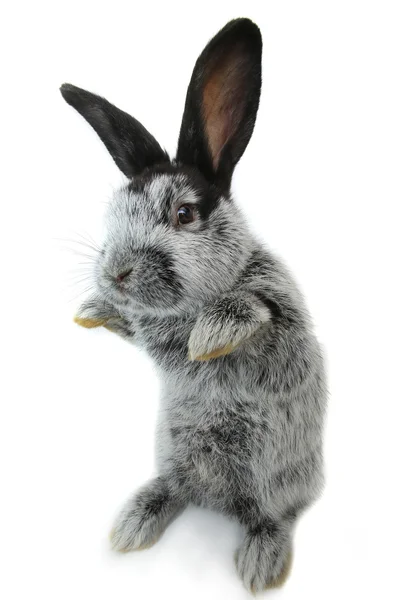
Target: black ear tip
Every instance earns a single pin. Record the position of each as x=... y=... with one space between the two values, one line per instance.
x=244 y=27
x=245 y=24
x=68 y=91
x=243 y=30
x=67 y=87
x=74 y=96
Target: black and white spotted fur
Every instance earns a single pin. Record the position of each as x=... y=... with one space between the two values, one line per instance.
x=241 y=432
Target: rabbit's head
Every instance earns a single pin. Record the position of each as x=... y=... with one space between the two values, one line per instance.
x=174 y=238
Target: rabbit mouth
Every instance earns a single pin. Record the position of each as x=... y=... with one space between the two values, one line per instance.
x=117 y=293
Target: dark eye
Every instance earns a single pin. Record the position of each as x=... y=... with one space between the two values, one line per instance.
x=185 y=214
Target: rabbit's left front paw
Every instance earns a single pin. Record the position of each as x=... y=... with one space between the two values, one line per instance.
x=224 y=325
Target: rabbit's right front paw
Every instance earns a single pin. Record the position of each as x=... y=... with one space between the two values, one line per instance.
x=144 y=517
x=94 y=312
x=120 y=326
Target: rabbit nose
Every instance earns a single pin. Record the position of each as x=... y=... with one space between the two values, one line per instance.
x=121 y=276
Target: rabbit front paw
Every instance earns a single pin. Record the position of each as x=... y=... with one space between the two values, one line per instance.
x=224 y=325
x=120 y=326
x=95 y=312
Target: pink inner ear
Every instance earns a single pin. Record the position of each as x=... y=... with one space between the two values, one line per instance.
x=224 y=101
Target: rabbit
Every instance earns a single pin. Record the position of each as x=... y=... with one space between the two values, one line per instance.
x=181 y=275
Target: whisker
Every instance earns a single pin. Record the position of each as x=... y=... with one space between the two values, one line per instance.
x=88 y=289
x=87 y=237
x=89 y=243
x=75 y=283
x=80 y=243
x=78 y=279
x=82 y=269
x=77 y=253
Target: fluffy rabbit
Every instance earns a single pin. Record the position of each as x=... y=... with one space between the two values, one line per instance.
x=181 y=275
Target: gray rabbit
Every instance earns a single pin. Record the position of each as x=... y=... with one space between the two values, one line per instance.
x=181 y=275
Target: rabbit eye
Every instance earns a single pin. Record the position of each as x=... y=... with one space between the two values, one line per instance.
x=185 y=214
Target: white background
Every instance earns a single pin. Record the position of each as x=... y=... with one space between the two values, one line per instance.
x=319 y=183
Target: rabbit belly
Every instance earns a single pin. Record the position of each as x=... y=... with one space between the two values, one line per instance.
x=237 y=452
x=242 y=433
x=208 y=462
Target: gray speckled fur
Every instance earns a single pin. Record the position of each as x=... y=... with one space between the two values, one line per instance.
x=240 y=433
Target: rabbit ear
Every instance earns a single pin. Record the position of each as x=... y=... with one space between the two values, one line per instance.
x=222 y=101
x=132 y=147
